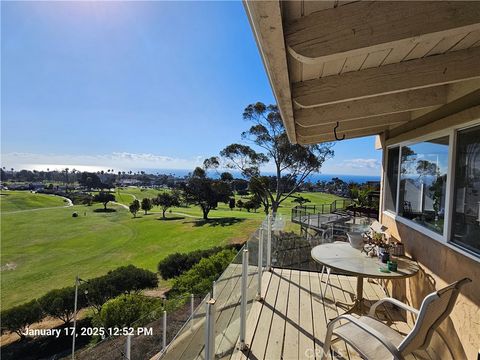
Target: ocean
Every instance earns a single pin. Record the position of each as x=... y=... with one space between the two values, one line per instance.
x=313 y=177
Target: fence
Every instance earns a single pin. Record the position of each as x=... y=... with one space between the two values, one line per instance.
x=300 y=212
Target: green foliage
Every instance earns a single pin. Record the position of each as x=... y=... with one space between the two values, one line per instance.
x=59 y=303
x=205 y=192
x=231 y=203
x=240 y=204
x=166 y=200
x=198 y=280
x=268 y=133
x=134 y=207
x=301 y=200
x=18 y=318
x=128 y=310
x=124 y=279
x=177 y=263
x=104 y=198
x=146 y=205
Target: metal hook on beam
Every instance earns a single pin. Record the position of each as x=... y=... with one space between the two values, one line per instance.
x=335 y=133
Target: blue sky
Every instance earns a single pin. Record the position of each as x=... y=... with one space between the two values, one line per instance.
x=130 y=85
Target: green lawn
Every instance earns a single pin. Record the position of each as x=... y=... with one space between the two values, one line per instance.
x=25 y=200
x=47 y=248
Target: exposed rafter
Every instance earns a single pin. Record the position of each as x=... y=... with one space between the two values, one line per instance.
x=414 y=74
x=364 y=108
x=305 y=140
x=358 y=124
x=374 y=26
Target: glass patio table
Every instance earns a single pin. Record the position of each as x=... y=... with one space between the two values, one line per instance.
x=342 y=257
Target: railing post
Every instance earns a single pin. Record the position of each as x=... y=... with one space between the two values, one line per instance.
x=260 y=266
x=243 y=301
x=269 y=243
x=164 y=339
x=128 y=346
x=192 y=305
x=210 y=330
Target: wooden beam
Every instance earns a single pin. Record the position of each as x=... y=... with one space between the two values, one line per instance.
x=364 y=108
x=414 y=74
x=467 y=101
x=306 y=140
x=266 y=23
x=348 y=30
x=356 y=124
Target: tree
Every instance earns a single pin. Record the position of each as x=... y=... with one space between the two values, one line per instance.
x=301 y=200
x=104 y=198
x=226 y=176
x=293 y=162
x=146 y=205
x=134 y=207
x=166 y=201
x=127 y=311
x=240 y=204
x=58 y=303
x=231 y=203
x=205 y=192
x=18 y=318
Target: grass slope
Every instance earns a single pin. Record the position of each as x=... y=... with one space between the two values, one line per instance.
x=49 y=247
x=25 y=200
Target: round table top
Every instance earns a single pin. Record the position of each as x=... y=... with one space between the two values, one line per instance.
x=341 y=256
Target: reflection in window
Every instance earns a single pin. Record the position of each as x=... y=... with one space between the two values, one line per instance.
x=391 y=180
x=423 y=180
x=466 y=212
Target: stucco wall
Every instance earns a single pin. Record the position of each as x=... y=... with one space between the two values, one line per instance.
x=459 y=335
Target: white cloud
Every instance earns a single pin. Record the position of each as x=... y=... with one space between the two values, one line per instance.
x=361 y=163
x=123 y=161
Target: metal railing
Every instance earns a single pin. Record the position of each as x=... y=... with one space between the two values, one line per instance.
x=300 y=212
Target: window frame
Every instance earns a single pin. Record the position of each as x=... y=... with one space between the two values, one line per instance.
x=446 y=237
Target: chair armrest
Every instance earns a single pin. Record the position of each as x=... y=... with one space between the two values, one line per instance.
x=379 y=336
x=393 y=301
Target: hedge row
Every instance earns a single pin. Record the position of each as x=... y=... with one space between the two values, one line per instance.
x=177 y=263
x=59 y=303
x=198 y=280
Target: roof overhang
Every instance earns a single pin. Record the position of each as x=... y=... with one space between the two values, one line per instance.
x=368 y=67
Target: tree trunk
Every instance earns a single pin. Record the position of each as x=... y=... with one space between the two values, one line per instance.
x=274 y=207
x=205 y=213
x=105 y=206
x=163 y=213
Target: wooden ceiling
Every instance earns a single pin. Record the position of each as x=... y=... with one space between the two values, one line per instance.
x=370 y=66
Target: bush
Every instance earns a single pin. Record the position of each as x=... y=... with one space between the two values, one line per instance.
x=18 y=318
x=198 y=280
x=128 y=310
x=122 y=280
x=177 y=263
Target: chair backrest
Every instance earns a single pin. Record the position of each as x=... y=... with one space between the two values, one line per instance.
x=435 y=308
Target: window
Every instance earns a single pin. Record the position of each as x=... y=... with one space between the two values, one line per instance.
x=391 y=179
x=423 y=180
x=466 y=203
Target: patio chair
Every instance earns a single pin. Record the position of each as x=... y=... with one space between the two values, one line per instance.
x=375 y=340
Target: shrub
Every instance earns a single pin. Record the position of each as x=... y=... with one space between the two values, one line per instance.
x=122 y=280
x=128 y=310
x=177 y=263
x=198 y=280
x=18 y=318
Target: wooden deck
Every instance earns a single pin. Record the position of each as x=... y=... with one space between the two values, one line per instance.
x=292 y=320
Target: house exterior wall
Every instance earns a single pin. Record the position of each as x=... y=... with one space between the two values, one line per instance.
x=440 y=264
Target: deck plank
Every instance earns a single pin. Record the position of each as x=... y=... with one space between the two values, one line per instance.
x=290 y=343
x=275 y=340
x=306 y=343
x=257 y=346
